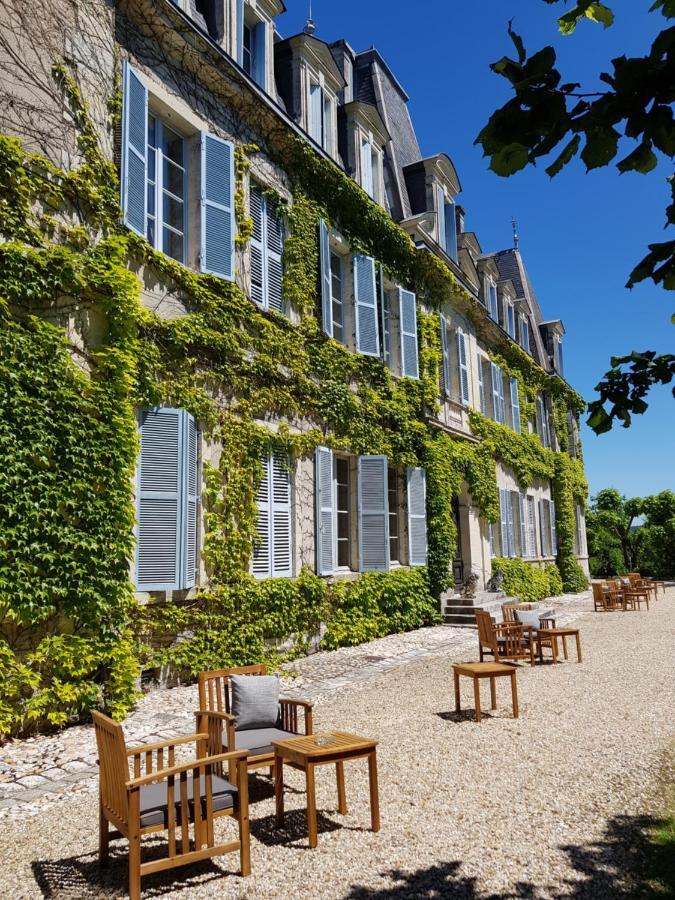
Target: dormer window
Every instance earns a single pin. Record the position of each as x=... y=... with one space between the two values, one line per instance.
x=558 y=355
x=524 y=333
x=447 y=223
x=252 y=55
x=509 y=319
x=371 y=170
x=321 y=117
x=492 y=305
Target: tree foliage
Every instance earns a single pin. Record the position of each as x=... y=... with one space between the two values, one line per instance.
x=631 y=534
x=632 y=119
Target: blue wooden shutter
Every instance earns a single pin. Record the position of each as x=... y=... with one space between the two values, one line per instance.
x=282 y=526
x=417 y=517
x=365 y=299
x=463 y=364
x=525 y=334
x=531 y=528
x=326 y=288
x=373 y=514
x=190 y=493
x=217 y=206
x=554 y=534
x=504 y=522
x=494 y=306
x=274 y=245
x=367 y=167
x=260 y=55
x=316 y=113
x=508 y=500
x=325 y=511
x=386 y=325
x=544 y=533
x=257 y=247
x=262 y=550
x=159 y=508
x=450 y=231
x=408 y=313
x=497 y=392
x=523 y=524
x=447 y=384
x=440 y=214
x=240 y=32
x=515 y=404
x=134 y=150
x=481 y=384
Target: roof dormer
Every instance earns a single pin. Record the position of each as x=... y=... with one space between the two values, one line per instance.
x=362 y=138
x=309 y=81
x=432 y=186
x=552 y=335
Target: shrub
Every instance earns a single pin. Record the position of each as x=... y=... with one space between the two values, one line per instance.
x=527 y=582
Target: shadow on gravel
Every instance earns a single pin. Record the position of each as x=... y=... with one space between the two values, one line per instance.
x=294 y=833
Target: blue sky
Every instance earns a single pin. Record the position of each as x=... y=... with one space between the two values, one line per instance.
x=580 y=234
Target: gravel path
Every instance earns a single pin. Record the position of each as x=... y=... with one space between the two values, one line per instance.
x=544 y=806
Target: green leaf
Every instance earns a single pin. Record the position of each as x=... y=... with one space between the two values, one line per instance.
x=601 y=146
x=517 y=42
x=570 y=151
x=598 y=12
x=642 y=159
x=509 y=159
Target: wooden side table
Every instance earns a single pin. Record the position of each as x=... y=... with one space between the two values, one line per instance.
x=478 y=670
x=325 y=748
x=550 y=636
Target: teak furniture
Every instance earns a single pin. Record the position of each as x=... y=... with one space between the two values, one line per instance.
x=478 y=670
x=508 y=640
x=550 y=637
x=306 y=753
x=633 y=593
x=163 y=796
x=215 y=717
x=637 y=581
x=509 y=612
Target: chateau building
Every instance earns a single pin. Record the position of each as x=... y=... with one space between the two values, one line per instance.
x=304 y=272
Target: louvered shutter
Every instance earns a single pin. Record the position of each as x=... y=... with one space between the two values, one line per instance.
x=282 y=544
x=417 y=516
x=367 y=167
x=494 y=307
x=515 y=404
x=491 y=538
x=158 y=555
x=373 y=514
x=462 y=362
x=544 y=534
x=447 y=384
x=191 y=503
x=481 y=384
x=134 y=150
x=262 y=551
x=450 y=231
x=217 y=206
x=496 y=374
x=365 y=298
x=260 y=55
x=523 y=524
x=508 y=500
x=408 y=313
x=256 y=247
x=440 y=212
x=326 y=292
x=554 y=534
x=504 y=522
x=274 y=234
x=325 y=511
x=531 y=528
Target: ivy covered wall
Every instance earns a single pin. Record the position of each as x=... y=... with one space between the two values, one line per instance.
x=72 y=635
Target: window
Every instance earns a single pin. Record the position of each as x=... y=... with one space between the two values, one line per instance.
x=506 y=522
x=524 y=333
x=166 y=186
x=558 y=355
x=266 y=252
x=367 y=180
x=167 y=501
x=385 y=299
x=252 y=56
x=365 y=305
x=482 y=405
x=493 y=307
x=320 y=116
x=393 y=503
x=531 y=528
x=547 y=528
x=407 y=305
x=247 y=57
x=447 y=225
x=515 y=404
x=273 y=551
x=337 y=310
x=463 y=367
x=446 y=380
x=510 y=320
x=154 y=182
x=572 y=435
x=543 y=429
x=498 y=406
x=343 y=512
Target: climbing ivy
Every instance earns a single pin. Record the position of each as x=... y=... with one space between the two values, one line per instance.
x=72 y=635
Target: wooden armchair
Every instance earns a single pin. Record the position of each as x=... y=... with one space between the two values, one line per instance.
x=163 y=796
x=506 y=641
x=633 y=594
x=215 y=717
x=604 y=598
x=509 y=613
x=640 y=583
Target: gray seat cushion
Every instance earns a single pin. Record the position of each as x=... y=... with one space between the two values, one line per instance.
x=255 y=700
x=153 y=799
x=258 y=741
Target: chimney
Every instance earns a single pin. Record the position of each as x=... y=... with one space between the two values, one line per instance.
x=344 y=60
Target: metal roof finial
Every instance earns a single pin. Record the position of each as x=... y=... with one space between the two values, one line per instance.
x=516 y=238
x=310 y=25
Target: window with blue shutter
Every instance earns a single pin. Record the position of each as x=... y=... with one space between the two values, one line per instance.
x=134 y=150
x=515 y=403
x=385 y=307
x=167 y=501
x=481 y=385
x=522 y=520
x=450 y=230
x=273 y=548
x=373 y=514
x=316 y=114
x=508 y=500
x=544 y=528
x=259 y=68
x=445 y=345
x=417 y=517
x=498 y=394
x=531 y=528
x=493 y=306
x=440 y=215
x=266 y=247
x=326 y=287
x=365 y=301
x=240 y=33
x=524 y=334
x=217 y=206
x=503 y=521
x=408 y=313
x=367 y=182
x=463 y=365
x=325 y=511
x=554 y=533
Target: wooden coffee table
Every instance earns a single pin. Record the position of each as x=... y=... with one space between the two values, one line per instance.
x=551 y=635
x=307 y=753
x=491 y=670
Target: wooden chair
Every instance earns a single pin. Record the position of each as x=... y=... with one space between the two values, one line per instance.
x=603 y=598
x=509 y=613
x=640 y=583
x=631 y=592
x=163 y=796
x=215 y=717
x=506 y=641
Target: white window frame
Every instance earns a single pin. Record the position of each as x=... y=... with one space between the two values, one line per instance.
x=159 y=189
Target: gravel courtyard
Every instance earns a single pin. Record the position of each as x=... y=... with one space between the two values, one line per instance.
x=551 y=805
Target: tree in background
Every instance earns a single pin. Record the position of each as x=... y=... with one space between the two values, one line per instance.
x=629 y=535
x=632 y=113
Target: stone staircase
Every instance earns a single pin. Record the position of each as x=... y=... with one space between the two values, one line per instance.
x=458 y=611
